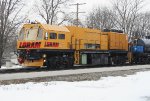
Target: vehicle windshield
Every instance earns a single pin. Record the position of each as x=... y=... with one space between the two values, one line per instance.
x=21 y=34
x=40 y=34
x=31 y=34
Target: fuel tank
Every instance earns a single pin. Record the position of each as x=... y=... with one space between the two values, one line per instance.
x=145 y=43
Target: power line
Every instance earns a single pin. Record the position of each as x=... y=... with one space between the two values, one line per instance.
x=77 y=12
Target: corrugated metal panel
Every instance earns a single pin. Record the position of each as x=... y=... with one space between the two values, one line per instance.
x=104 y=42
x=55 y=28
x=117 y=41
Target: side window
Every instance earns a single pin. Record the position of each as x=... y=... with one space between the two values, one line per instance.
x=53 y=36
x=40 y=34
x=61 y=36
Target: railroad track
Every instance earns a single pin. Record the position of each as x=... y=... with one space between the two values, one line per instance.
x=27 y=70
x=21 y=70
x=32 y=69
x=68 y=72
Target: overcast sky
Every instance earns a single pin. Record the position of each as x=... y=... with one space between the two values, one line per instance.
x=90 y=4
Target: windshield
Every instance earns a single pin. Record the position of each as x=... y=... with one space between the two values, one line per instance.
x=21 y=34
x=31 y=34
x=40 y=34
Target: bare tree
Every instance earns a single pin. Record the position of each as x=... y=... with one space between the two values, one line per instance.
x=72 y=22
x=50 y=9
x=127 y=13
x=9 y=22
x=142 y=25
x=101 y=18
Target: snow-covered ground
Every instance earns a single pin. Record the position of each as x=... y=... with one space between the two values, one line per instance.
x=12 y=63
x=131 y=88
x=11 y=67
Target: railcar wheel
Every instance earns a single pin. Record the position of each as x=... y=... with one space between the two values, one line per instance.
x=57 y=65
x=70 y=62
x=59 y=62
x=51 y=63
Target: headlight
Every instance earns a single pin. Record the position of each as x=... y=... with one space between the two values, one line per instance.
x=44 y=61
x=44 y=55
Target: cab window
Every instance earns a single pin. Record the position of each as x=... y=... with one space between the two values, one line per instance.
x=21 y=34
x=31 y=33
x=61 y=36
x=40 y=34
x=53 y=36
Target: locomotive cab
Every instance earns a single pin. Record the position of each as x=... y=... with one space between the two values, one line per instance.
x=35 y=36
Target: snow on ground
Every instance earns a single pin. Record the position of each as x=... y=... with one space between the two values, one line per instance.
x=12 y=63
x=12 y=66
x=131 y=88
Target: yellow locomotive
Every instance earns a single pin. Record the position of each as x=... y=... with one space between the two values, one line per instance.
x=53 y=46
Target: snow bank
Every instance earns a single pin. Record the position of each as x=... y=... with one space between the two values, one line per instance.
x=130 y=88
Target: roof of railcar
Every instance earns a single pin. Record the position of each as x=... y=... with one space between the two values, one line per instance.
x=55 y=28
x=48 y=27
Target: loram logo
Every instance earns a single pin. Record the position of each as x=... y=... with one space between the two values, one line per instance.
x=51 y=44
x=30 y=45
x=37 y=44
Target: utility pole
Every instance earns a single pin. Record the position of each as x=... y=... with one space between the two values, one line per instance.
x=77 y=12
